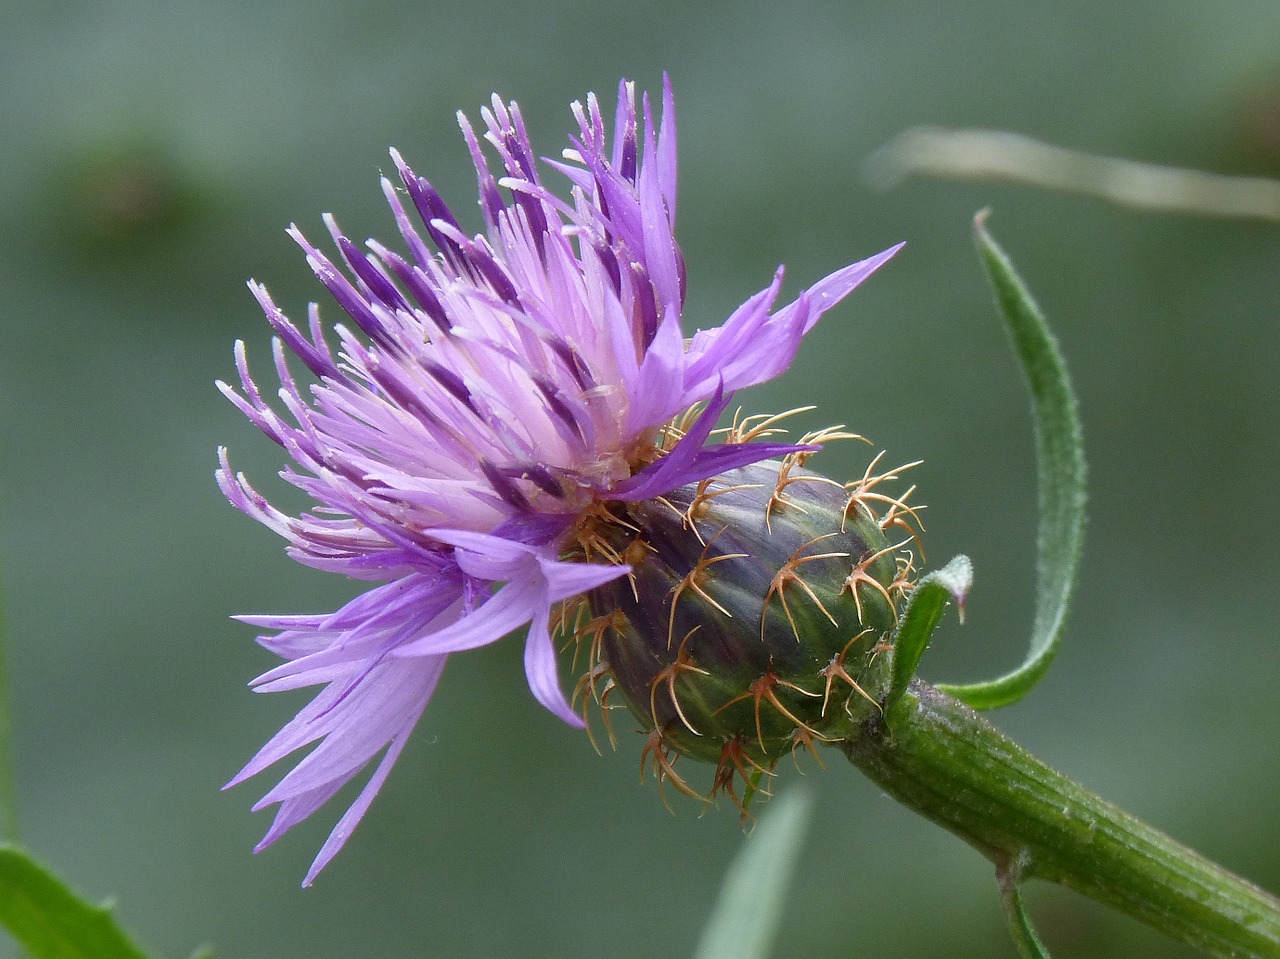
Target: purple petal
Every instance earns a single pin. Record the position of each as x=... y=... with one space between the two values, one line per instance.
x=741 y=346
x=659 y=392
x=355 y=812
x=485 y=556
x=570 y=579
x=650 y=480
x=666 y=158
x=542 y=674
x=833 y=288
x=509 y=608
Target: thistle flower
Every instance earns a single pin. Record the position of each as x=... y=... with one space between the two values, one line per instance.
x=489 y=395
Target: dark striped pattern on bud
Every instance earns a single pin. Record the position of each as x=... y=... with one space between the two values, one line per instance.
x=753 y=618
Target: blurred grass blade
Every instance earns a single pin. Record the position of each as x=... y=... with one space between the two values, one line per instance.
x=1061 y=472
x=746 y=916
x=8 y=790
x=924 y=611
x=52 y=922
x=8 y=749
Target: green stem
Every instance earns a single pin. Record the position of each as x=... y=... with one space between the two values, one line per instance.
x=940 y=758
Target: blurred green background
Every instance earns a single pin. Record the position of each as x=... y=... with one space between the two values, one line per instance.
x=153 y=154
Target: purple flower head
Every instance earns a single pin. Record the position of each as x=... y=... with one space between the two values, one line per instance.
x=487 y=393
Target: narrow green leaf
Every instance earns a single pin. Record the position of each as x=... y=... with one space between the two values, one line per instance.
x=1020 y=928
x=746 y=916
x=1061 y=472
x=923 y=613
x=52 y=922
x=1016 y=915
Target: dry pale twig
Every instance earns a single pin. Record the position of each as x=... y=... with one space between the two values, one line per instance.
x=1000 y=155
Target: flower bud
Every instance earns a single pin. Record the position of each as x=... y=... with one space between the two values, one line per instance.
x=753 y=617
